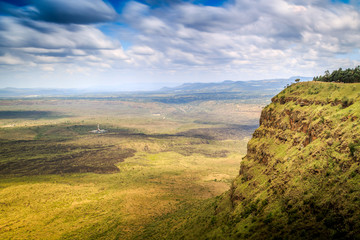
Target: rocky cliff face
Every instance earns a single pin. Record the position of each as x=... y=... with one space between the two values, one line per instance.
x=300 y=178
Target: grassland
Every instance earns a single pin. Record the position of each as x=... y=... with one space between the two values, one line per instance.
x=58 y=181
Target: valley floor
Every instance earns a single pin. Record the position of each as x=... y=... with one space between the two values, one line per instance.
x=59 y=181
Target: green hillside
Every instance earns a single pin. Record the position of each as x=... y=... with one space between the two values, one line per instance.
x=299 y=180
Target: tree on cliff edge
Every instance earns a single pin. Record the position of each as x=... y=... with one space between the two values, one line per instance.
x=345 y=76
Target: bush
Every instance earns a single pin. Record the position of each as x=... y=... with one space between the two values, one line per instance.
x=345 y=102
x=353 y=148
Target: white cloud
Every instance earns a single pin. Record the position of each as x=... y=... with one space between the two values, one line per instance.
x=78 y=52
x=33 y=50
x=75 y=69
x=46 y=59
x=242 y=39
x=98 y=65
x=142 y=50
x=48 y=67
x=8 y=59
x=34 y=43
x=273 y=34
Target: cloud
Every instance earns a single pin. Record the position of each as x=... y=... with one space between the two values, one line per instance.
x=29 y=33
x=36 y=42
x=48 y=68
x=142 y=50
x=10 y=60
x=62 y=11
x=262 y=32
x=239 y=39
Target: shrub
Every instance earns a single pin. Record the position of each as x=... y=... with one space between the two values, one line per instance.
x=345 y=102
x=353 y=148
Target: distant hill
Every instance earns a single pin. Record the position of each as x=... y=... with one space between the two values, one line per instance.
x=269 y=85
x=38 y=92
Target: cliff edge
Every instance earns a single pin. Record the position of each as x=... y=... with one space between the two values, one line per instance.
x=300 y=178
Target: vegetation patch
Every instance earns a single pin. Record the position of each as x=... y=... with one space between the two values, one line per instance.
x=346 y=76
x=51 y=157
x=231 y=132
x=30 y=114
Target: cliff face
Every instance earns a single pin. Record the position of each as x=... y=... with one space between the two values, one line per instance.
x=300 y=178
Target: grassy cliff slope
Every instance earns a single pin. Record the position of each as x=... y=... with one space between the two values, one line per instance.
x=300 y=178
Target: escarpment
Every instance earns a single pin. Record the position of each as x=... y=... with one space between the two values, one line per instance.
x=300 y=178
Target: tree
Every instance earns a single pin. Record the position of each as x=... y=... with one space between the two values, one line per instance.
x=340 y=75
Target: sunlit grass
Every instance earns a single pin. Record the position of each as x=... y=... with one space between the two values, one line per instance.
x=166 y=172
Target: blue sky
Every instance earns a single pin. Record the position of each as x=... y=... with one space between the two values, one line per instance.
x=142 y=45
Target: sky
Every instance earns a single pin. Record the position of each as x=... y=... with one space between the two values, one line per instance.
x=148 y=44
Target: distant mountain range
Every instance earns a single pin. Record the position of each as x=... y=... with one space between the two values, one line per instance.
x=38 y=92
x=236 y=86
x=266 y=86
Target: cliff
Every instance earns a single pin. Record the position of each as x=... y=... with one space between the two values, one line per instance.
x=300 y=178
